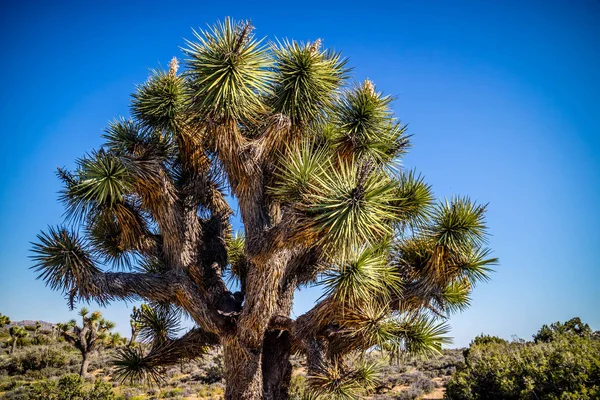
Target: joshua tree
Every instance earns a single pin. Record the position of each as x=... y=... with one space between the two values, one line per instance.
x=88 y=337
x=17 y=333
x=134 y=322
x=4 y=320
x=115 y=340
x=311 y=163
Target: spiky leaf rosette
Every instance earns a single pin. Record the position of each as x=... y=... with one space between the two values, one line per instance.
x=126 y=137
x=348 y=206
x=228 y=71
x=159 y=101
x=365 y=126
x=299 y=171
x=414 y=200
x=373 y=324
x=158 y=324
x=335 y=381
x=63 y=262
x=306 y=80
x=362 y=278
x=104 y=179
x=459 y=225
x=455 y=296
x=133 y=366
x=449 y=246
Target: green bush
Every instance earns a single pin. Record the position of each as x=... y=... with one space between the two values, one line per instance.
x=35 y=359
x=71 y=387
x=101 y=391
x=574 y=326
x=487 y=339
x=568 y=367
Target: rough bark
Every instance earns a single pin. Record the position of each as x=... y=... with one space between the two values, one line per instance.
x=243 y=373
x=277 y=347
x=276 y=366
x=85 y=362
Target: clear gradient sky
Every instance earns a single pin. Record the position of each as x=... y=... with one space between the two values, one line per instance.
x=502 y=99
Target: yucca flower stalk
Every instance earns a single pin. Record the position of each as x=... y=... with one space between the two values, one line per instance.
x=313 y=165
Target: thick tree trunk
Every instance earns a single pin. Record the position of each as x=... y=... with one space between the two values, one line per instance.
x=276 y=366
x=85 y=362
x=243 y=373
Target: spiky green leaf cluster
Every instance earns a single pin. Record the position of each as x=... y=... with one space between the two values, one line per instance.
x=335 y=381
x=158 y=324
x=228 y=71
x=414 y=200
x=298 y=171
x=364 y=126
x=348 y=206
x=61 y=260
x=103 y=180
x=362 y=278
x=305 y=81
x=132 y=365
x=458 y=224
x=159 y=101
x=456 y=296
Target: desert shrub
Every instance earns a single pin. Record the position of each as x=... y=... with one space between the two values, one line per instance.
x=47 y=389
x=131 y=393
x=71 y=387
x=100 y=391
x=8 y=383
x=176 y=393
x=35 y=359
x=424 y=384
x=487 y=339
x=574 y=326
x=213 y=392
x=22 y=393
x=213 y=374
x=568 y=367
x=411 y=393
x=408 y=378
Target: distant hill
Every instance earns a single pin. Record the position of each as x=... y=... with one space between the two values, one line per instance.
x=29 y=322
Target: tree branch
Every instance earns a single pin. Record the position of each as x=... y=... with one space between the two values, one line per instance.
x=191 y=345
x=107 y=286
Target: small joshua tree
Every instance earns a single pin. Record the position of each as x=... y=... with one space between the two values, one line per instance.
x=87 y=338
x=17 y=334
x=134 y=322
x=115 y=340
x=311 y=163
x=4 y=320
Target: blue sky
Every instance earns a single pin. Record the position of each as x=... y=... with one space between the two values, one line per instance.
x=501 y=99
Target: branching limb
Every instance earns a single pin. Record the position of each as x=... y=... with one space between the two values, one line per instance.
x=133 y=365
x=123 y=285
